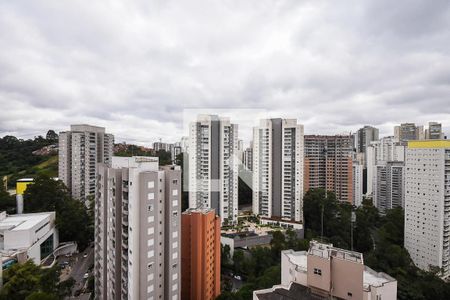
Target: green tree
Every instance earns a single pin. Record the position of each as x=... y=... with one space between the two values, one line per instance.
x=41 y=296
x=165 y=158
x=73 y=219
x=238 y=260
x=51 y=136
x=20 y=280
x=7 y=202
x=225 y=255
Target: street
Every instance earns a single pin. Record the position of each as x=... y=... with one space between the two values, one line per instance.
x=77 y=267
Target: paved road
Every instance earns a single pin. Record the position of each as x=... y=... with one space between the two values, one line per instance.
x=81 y=267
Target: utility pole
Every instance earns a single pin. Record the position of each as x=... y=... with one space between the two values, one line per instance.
x=352 y=220
x=321 y=222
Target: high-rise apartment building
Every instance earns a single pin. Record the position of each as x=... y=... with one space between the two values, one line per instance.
x=389 y=185
x=408 y=132
x=278 y=169
x=160 y=146
x=434 y=131
x=137 y=230
x=357 y=177
x=328 y=164
x=247 y=158
x=80 y=150
x=380 y=152
x=213 y=166
x=427 y=204
x=200 y=254
x=363 y=138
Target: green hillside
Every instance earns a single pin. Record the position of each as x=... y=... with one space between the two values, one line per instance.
x=17 y=159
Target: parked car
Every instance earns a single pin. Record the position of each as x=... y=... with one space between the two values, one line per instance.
x=237 y=277
x=86 y=275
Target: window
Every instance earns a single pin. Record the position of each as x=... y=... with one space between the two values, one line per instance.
x=318 y=272
x=151 y=184
x=175 y=193
x=151 y=196
x=47 y=247
x=349 y=294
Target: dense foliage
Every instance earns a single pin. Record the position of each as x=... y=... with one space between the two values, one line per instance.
x=73 y=219
x=7 y=202
x=259 y=266
x=28 y=281
x=379 y=238
x=17 y=160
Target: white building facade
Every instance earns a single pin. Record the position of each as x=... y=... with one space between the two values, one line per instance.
x=137 y=230
x=387 y=149
x=214 y=166
x=357 y=172
x=278 y=154
x=427 y=204
x=389 y=191
x=80 y=150
x=34 y=234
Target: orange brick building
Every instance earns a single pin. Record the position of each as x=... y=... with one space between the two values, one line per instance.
x=200 y=254
x=328 y=165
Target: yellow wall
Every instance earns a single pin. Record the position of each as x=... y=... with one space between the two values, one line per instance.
x=429 y=144
x=21 y=186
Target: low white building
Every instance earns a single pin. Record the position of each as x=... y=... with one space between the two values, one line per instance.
x=34 y=234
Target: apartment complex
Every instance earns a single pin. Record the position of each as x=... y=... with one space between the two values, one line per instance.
x=328 y=164
x=408 y=132
x=247 y=158
x=200 y=254
x=80 y=150
x=427 y=204
x=213 y=166
x=278 y=169
x=387 y=149
x=137 y=230
x=362 y=139
x=357 y=185
x=434 y=131
x=327 y=272
x=389 y=185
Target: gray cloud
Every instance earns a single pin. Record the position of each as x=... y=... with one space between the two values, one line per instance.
x=134 y=66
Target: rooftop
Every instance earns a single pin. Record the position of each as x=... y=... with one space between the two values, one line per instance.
x=198 y=210
x=144 y=163
x=294 y=291
x=429 y=144
x=326 y=250
x=298 y=258
x=376 y=279
x=22 y=221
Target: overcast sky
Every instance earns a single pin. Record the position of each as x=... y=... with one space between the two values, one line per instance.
x=135 y=66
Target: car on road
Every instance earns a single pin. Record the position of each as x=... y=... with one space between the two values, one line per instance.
x=237 y=277
x=85 y=255
x=86 y=275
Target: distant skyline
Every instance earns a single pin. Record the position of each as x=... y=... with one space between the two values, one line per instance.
x=135 y=66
